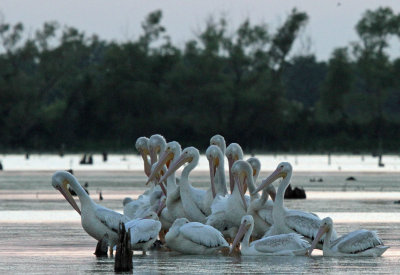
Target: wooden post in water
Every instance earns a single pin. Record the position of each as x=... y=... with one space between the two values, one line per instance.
x=380 y=163
x=123 y=254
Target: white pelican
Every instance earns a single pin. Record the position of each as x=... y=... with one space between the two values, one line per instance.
x=284 y=244
x=174 y=208
x=150 y=198
x=217 y=176
x=227 y=211
x=143 y=149
x=192 y=198
x=143 y=231
x=157 y=145
x=148 y=201
x=233 y=152
x=96 y=220
x=194 y=238
x=219 y=141
x=256 y=165
x=355 y=244
x=289 y=221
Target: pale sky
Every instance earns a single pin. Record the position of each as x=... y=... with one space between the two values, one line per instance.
x=331 y=22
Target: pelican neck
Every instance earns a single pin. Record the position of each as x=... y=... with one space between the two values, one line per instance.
x=246 y=238
x=83 y=196
x=326 y=247
x=221 y=187
x=281 y=190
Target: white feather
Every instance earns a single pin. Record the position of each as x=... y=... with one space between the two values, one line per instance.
x=203 y=234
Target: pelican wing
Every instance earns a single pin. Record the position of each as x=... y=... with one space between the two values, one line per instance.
x=143 y=230
x=266 y=213
x=110 y=218
x=357 y=241
x=306 y=224
x=203 y=234
x=303 y=223
x=280 y=243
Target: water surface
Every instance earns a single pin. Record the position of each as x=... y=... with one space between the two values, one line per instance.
x=40 y=234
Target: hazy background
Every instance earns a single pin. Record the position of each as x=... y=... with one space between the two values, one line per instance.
x=331 y=22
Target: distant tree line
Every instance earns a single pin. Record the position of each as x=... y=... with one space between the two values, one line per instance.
x=61 y=88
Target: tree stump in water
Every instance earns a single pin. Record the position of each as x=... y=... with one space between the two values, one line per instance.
x=123 y=254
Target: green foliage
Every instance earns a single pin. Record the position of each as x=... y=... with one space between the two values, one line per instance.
x=63 y=88
x=336 y=87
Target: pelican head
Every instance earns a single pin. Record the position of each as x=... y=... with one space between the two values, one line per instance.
x=219 y=141
x=256 y=165
x=151 y=215
x=246 y=222
x=172 y=151
x=142 y=145
x=214 y=157
x=241 y=172
x=126 y=201
x=233 y=152
x=325 y=226
x=60 y=181
x=180 y=222
x=283 y=169
x=157 y=144
x=189 y=155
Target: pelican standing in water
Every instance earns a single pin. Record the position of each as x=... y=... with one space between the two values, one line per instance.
x=219 y=141
x=143 y=231
x=150 y=198
x=227 y=211
x=284 y=244
x=359 y=243
x=215 y=159
x=157 y=145
x=194 y=238
x=174 y=207
x=192 y=198
x=290 y=221
x=96 y=220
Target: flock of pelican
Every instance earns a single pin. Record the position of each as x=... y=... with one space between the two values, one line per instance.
x=195 y=221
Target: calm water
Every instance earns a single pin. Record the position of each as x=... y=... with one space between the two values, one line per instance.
x=40 y=234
